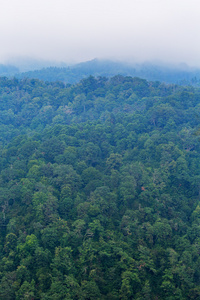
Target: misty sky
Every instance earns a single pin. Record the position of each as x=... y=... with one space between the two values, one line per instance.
x=79 y=30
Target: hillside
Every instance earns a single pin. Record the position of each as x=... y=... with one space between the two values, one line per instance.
x=99 y=189
x=180 y=74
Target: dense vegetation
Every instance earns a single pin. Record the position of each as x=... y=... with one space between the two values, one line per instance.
x=99 y=190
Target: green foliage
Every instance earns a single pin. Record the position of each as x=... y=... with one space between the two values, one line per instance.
x=99 y=190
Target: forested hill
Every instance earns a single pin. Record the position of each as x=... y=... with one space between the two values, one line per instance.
x=183 y=75
x=99 y=190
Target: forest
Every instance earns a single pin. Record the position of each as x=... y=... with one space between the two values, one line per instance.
x=99 y=189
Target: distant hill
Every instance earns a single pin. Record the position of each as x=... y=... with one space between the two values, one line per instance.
x=72 y=74
x=26 y=64
x=181 y=74
x=8 y=70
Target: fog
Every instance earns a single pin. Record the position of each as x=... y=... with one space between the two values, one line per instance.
x=75 y=30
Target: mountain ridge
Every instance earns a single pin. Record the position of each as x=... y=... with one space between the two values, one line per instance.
x=168 y=73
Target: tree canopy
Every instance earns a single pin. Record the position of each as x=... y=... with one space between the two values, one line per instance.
x=99 y=189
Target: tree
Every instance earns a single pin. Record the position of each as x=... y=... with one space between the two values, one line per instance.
x=26 y=291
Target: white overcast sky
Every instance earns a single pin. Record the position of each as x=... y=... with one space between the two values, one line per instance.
x=79 y=30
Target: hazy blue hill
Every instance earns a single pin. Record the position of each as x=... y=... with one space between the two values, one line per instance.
x=149 y=71
x=27 y=64
x=73 y=74
x=8 y=70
